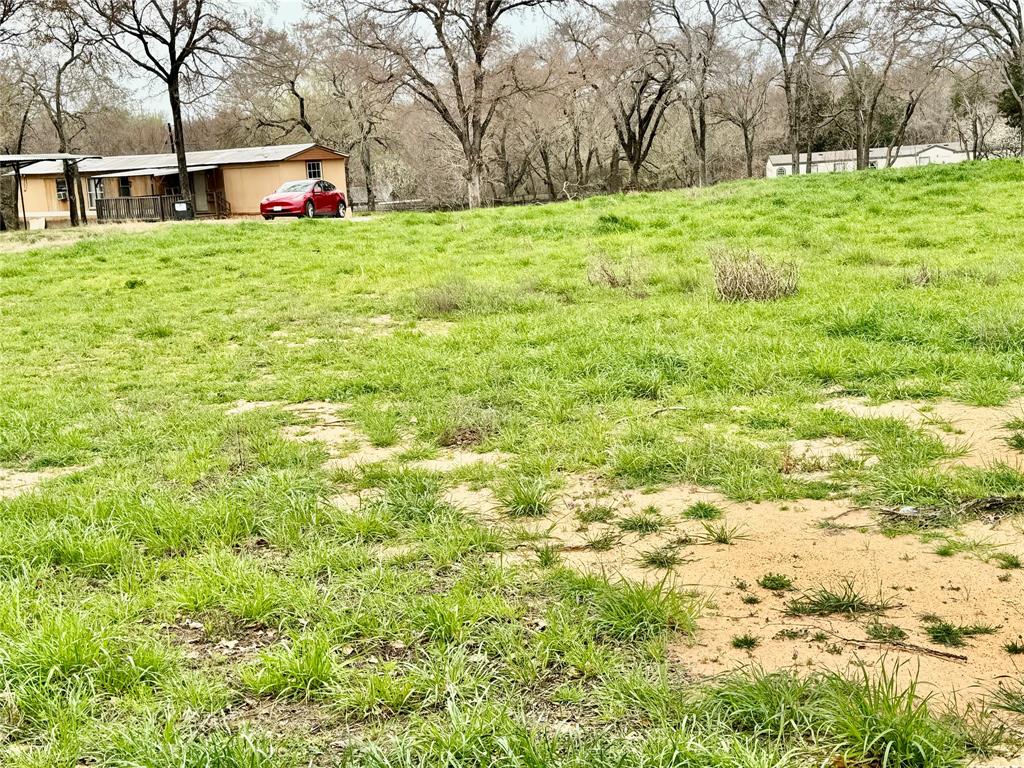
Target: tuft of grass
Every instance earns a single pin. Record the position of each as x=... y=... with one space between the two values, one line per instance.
x=885 y=633
x=777 y=582
x=744 y=642
x=721 y=533
x=633 y=611
x=703 y=510
x=548 y=555
x=603 y=542
x=748 y=277
x=595 y=513
x=876 y=719
x=943 y=632
x=663 y=557
x=751 y=599
x=644 y=522
x=1010 y=698
x=526 y=496
x=1014 y=647
x=844 y=598
x=1007 y=561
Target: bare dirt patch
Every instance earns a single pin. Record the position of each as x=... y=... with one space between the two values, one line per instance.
x=815 y=543
x=247 y=406
x=456 y=459
x=346 y=446
x=980 y=430
x=204 y=644
x=15 y=482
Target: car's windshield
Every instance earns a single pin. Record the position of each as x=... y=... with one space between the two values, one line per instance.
x=294 y=186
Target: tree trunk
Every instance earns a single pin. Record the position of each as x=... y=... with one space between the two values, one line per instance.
x=83 y=216
x=748 y=148
x=474 y=177
x=614 y=171
x=367 y=162
x=184 y=183
x=69 y=185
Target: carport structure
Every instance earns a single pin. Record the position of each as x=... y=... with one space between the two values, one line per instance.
x=12 y=164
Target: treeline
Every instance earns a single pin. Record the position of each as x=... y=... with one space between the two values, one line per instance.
x=463 y=101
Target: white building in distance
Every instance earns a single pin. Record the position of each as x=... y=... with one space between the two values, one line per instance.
x=846 y=159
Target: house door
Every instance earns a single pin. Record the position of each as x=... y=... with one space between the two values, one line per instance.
x=201 y=203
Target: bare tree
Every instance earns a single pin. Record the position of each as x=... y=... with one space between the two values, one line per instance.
x=699 y=25
x=743 y=100
x=10 y=11
x=179 y=42
x=362 y=84
x=989 y=28
x=272 y=85
x=64 y=81
x=453 y=55
x=626 y=57
x=798 y=31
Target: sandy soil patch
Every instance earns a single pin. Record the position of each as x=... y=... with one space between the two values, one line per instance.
x=247 y=406
x=15 y=482
x=815 y=543
x=980 y=430
x=455 y=459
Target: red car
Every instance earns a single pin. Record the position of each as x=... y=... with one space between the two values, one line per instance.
x=309 y=198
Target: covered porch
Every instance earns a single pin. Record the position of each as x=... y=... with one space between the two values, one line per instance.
x=149 y=194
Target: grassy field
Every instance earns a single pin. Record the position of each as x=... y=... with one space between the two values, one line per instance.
x=192 y=573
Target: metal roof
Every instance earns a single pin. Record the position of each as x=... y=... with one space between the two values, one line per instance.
x=55 y=158
x=875 y=153
x=154 y=171
x=211 y=157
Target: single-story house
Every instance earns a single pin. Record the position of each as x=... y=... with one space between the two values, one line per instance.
x=225 y=182
x=846 y=159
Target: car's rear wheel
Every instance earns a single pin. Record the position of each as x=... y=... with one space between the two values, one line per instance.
x=267 y=217
x=341 y=209
x=310 y=209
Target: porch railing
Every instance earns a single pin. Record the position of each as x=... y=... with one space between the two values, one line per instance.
x=146 y=208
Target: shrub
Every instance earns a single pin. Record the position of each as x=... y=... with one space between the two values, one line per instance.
x=748 y=277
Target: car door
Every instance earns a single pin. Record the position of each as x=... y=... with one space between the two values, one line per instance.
x=320 y=198
x=332 y=195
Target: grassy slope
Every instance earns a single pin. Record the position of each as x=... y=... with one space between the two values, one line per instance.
x=120 y=353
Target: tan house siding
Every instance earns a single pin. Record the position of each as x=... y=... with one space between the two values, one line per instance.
x=40 y=195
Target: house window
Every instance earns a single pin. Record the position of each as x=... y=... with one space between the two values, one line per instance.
x=780 y=172
x=124 y=187
x=314 y=169
x=838 y=166
x=62 y=189
x=95 y=191
x=873 y=165
x=923 y=161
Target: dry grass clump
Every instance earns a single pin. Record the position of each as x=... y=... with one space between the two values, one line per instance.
x=748 y=277
x=922 y=276
x=625 y=276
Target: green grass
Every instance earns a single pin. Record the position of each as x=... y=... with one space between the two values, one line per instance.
x=945 y=633
x=777 y=582
x=703 y=510
x=644 y=522
x=842 y=598
x=187 y=593
x=745 y=642
x=885 y=633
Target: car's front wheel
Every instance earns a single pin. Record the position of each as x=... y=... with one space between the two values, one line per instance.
x=310 y=209
x=341 y=209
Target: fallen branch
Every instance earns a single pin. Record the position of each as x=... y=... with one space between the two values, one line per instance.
x=910 y=647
